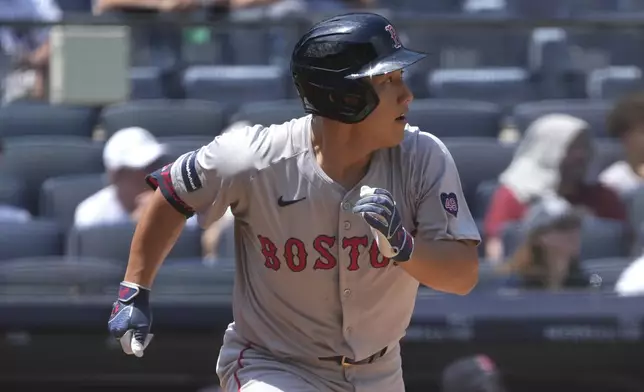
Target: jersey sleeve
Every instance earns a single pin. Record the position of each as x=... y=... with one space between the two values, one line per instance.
x=442 y=212
x=207 y=181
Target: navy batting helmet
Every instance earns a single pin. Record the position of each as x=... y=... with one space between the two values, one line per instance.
x=330 y=61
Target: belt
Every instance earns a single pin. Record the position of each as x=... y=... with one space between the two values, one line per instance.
x=344 y=361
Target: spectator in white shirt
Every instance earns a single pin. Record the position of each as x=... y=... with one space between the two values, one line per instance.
x=626 y=122
x=128 y=156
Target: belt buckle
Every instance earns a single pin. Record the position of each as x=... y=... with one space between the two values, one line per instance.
x=344 y=362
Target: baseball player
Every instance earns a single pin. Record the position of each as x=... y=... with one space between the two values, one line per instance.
x=339 y=215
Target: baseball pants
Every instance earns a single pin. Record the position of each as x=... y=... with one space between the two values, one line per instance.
x=242 y=367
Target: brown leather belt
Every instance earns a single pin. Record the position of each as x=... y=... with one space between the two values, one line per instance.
x=344 y=361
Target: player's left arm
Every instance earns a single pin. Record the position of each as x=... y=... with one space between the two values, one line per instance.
x=445 y=255
x=442 y=252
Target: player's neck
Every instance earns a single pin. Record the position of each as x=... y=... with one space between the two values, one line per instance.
x=340 y=155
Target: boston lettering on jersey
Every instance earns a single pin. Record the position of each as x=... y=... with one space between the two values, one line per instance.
x=295 y=253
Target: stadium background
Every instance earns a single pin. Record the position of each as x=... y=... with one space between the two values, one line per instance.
x=493 y=68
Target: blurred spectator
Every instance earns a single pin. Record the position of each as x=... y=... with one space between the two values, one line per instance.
x=552 y=157
x=9 y=213
x=631 y=280
x=626 y=122
x=128 y=156
x=477 y=373
x=548 y=258
x=27 y=47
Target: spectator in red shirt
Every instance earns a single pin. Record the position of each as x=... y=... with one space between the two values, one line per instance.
x=552 y=158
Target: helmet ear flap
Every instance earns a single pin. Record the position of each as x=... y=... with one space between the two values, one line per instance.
x=345 y=100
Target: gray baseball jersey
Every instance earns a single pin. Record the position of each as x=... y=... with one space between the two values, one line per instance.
x=310 y=279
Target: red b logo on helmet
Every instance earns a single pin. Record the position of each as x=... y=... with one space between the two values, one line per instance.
x=394 y=36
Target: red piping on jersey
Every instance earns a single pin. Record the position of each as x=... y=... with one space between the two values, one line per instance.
x=240 y=366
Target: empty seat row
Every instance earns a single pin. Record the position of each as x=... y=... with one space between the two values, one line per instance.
x=73 y=169
x=40 y=238
x=71 y=275
x=35 y=165
x=233 y=86
x=198 y=118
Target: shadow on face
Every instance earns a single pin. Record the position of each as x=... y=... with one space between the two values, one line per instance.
x=575 y=164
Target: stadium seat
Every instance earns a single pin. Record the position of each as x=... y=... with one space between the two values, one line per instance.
x=593 y=49
x=551 y=66
x=165 y=117
x=608 y=270
x=456 y=118
x=27 y=119
x=59 y=275
x=500 y=85
x=30 y=239
x=146 y=83
x=113 y=242
x=614 y=82
x=267 y=113
x=177 y=146
x=194 y=278
x=35 y=159
x=539 y=9
x=601 y=238
x=477 y=161
x=60 y=196
x=416 y=7
x=484 y=193
x=592 y=111
x=75 y=6
x=12 y=191
x=235 y=85
x=635 y=208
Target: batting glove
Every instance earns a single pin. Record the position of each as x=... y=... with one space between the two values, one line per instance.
x=131 y=318
x=378 y=208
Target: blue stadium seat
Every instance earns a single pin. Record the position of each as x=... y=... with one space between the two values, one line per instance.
x=59 y=275
x=177 y=146
x=113 y=242
x=166 y=117
x=466 y=47
x=484 y=193
x=75 y=5
x=608 y=270
x=592 y=49
x=35 y=159
x=540 y=9
x=235 y=85
x=60 y=196
x=456 y=118
x=12 y=191
x=146 y=83
x=551 y=65
x=500 y=85
x=30 y=239
x=601 y=238
x=478 y=160
x=26 y=119
x=267 y=113
x=186 y=278
x=592 y=111
x=416 y=7
x=614 y=82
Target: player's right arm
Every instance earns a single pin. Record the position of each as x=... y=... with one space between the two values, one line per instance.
x=204 y=183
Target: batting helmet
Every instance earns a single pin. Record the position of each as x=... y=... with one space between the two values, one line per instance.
x=330 y=61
